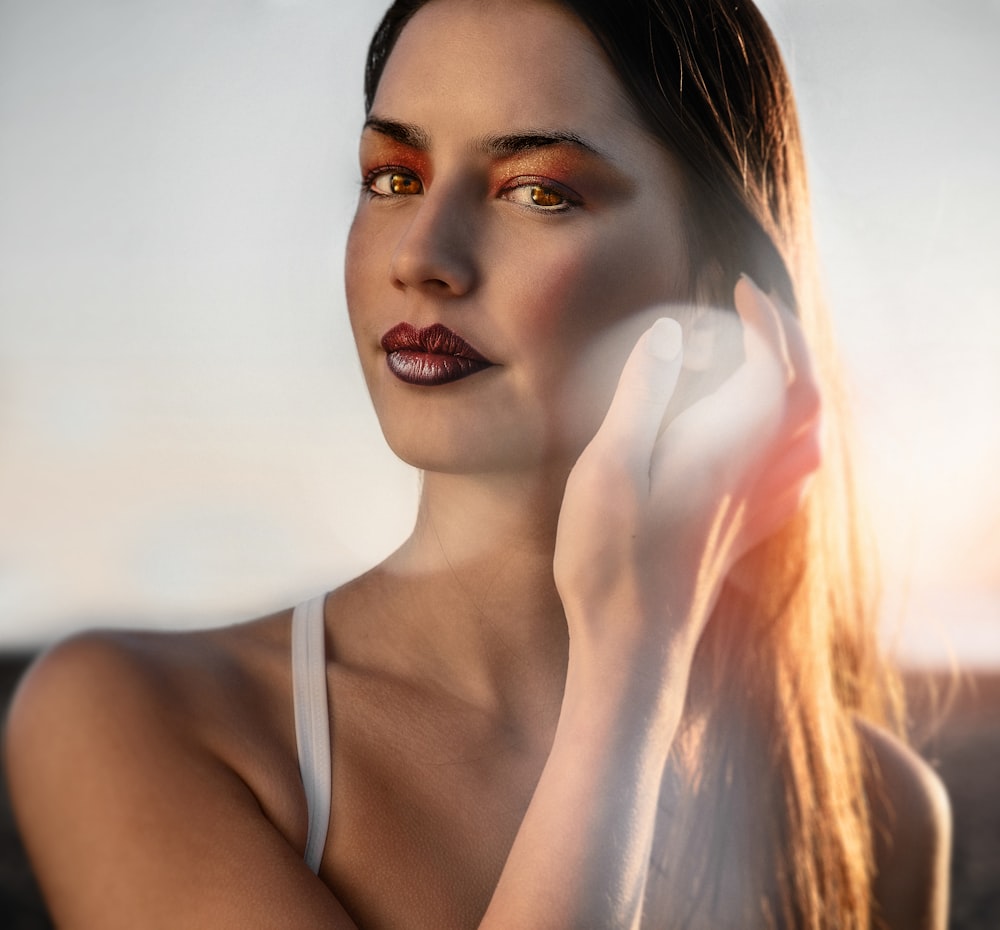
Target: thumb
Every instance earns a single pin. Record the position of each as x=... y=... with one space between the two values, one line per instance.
x=644 y=389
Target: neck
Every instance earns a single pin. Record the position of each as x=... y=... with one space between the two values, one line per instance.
x=475 y=599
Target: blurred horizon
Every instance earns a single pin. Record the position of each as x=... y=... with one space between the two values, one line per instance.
x=185 y=437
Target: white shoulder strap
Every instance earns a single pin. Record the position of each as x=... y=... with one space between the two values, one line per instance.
x=312 y=721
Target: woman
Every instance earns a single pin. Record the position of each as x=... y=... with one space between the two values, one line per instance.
x=622 y=673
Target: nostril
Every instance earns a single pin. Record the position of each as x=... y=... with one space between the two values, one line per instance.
x=439 y=266
x=436 y=250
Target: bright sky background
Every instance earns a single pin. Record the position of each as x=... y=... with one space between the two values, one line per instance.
x=184 y=434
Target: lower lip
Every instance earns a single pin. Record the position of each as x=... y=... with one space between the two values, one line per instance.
x=427 y=369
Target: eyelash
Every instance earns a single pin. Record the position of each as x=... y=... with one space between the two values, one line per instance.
x=542 y=184
x=368 y=181
x=568 y=201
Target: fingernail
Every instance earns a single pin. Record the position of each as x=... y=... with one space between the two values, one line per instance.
x=665 y=339
x=744 y=276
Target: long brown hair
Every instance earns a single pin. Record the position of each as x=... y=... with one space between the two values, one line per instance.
x=774 y=829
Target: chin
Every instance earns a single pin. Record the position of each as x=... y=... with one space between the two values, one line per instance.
x=458 y=459
x=499 y=454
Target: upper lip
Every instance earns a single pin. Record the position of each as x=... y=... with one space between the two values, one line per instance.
x=436 y=339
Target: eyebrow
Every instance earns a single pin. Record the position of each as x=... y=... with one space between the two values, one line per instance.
x=405 y=133
x=496 y=146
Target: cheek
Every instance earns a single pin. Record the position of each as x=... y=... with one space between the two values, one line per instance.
x=357 y=262
x=583 y=286
x=578 y=313
x=551 y=302
x=366 y=267
x=364 y=271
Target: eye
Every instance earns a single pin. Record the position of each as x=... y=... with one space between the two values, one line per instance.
x=393 y=182
x=540 y=196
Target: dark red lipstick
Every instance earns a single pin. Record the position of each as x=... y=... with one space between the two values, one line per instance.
x=430 y=356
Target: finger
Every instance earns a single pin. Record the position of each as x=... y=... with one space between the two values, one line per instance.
x=745 y=572
x=768 y=519
x=804 y=399
x=746 y=411
x=644 y=389
x=782 y=332
x=791 y=465
x=763 y=330
x=788 y=339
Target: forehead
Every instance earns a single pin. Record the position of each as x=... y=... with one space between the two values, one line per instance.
x=499 y=65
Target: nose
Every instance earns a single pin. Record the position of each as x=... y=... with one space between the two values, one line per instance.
x=436 y=250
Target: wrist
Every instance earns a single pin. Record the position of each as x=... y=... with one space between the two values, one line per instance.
x=657 y=644
x=642 y=686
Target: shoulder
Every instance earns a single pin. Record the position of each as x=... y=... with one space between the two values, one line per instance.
x=86 y=687
x=127 y=751
x=911 y=819
x=123 y=696
x=103 y=702
x=101 y=680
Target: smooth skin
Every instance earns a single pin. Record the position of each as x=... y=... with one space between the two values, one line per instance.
x=504 y=688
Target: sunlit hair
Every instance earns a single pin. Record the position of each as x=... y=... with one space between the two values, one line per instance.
x=776 y=829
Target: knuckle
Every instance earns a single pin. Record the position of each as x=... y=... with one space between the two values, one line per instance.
x=607 y=477
x=810 y=397
x=813 y=452
x=803 y=404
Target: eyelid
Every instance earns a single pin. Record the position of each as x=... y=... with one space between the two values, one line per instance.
x=570 y=199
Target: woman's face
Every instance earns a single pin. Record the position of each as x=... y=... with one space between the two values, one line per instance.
x=510 y=196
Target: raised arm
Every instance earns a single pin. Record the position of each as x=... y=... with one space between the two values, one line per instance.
x=652 y=521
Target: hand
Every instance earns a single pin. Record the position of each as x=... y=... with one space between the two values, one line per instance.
x=654 y=517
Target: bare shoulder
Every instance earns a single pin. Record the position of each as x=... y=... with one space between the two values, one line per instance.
x=124 y=692
x=149 y=771
x=912 y=822
x=83 y=699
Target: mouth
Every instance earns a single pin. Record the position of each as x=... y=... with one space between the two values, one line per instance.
x=430 y=356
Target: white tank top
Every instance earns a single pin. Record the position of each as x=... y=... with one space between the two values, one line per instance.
x=312 y=721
